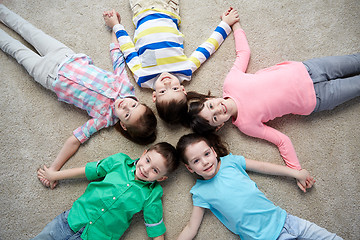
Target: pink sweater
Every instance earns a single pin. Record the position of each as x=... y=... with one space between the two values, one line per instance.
x=269 y=93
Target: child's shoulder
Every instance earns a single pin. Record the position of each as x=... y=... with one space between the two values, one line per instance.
x=232 y=159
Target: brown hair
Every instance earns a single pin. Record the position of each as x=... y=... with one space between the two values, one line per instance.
x=144 y=131
x=211 y=139
x=196 y=104
x=169 y=153
x=173 y=112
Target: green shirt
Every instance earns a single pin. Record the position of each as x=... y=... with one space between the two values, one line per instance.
x=107 y=206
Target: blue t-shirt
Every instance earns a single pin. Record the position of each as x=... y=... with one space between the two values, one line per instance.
x=237 y=202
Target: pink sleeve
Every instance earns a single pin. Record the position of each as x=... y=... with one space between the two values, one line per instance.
x=282 y=141
x=284 y=145
x=242 y=50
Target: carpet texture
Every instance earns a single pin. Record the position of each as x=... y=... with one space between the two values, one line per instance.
x=34 y=125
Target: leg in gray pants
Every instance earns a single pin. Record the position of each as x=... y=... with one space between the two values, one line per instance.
x=336 y=79
x=42 y=66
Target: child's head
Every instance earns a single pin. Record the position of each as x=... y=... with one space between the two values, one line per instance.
x=137 y=122
x=201 y=153
x=196 y=104
x=170 y=98
x=156 y=162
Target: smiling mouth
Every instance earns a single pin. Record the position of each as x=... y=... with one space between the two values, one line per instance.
x=120 y=103
x=164 y=78
x=224 y=108
x=209 y=168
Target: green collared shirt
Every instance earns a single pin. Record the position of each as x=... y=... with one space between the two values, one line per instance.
x=107 y=206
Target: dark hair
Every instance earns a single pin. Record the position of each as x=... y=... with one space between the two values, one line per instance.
x=173 y=112
x=196 y=104
x=169 y=153
x=211 y=139
x=143 y=131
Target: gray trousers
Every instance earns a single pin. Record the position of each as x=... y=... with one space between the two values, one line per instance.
x=42 y=66
x=336 y=79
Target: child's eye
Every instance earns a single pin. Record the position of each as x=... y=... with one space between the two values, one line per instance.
x=175 y=88
x=215 y=118
x=156 y=171
x=147 y=160
x=196 y=161
x=127 y=115
x=162 y=91
x=207 y=153
x=210 y=106
x=134 y=105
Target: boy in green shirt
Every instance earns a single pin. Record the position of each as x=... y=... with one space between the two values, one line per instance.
x=106 y=208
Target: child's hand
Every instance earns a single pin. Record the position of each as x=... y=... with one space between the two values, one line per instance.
x=46 y=177
x=111 y=18
x=230 y=16
x=304 y=180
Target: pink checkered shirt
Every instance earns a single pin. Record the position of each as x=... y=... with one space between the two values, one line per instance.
x=95 y=90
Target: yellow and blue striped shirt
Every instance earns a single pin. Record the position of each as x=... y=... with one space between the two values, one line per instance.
x=158 y=47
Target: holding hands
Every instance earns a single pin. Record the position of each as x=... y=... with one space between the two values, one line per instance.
x=230 y=16
x=304 y=180
x=111 y=18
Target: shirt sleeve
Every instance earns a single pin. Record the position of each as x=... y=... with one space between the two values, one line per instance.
x=205 y=50
x=120 y=72
x=242 y=50
x=99 y=169
x=282 y=141
x=198 y=201
x=153 y=213
x=93 y=125
x=127 y=47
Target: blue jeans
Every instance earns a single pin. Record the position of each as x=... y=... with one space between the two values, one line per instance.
x=336 y=79
x=59 y=229
x=297 y=228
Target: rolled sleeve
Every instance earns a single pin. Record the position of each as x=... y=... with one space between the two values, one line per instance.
x=91 y=171
x=153 y=214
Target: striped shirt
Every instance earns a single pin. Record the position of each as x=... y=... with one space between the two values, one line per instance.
x=95 y=90
x=158 y=47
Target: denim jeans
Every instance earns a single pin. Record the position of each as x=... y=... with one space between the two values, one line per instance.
x=43 y=65
x=297 y=228
x=59 y=229
x=336 y=79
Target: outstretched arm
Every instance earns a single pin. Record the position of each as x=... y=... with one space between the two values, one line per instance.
x=62 y=174
x=206 y=49
x=191 y=229
x=304 y=180
x=69 y=148
x=159 y=237
x=113 y=20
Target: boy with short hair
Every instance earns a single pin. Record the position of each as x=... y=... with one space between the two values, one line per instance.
x=106 y=208
x=156 y=57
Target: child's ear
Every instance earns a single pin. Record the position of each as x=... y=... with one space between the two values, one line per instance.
x=220 y=126
x=189 y=168
x=183 y=89
x=154 y=96
x=123 y=126
x=162 y=178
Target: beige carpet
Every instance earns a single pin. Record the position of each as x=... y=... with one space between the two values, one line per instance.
x=34 y=125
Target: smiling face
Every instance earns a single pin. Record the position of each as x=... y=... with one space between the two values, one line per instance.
x=168 y=87
x=216 y=111
x=151 y=167
x=202 y=160
x=128 y=110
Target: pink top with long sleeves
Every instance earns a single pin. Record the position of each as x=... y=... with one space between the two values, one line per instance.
x=269 y=93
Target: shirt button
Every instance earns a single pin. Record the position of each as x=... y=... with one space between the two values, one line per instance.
x=102 y=210
x=114 y=198
x=90 y=222
x=127 y=184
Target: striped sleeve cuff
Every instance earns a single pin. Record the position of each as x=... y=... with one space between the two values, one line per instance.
x=155 y=229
